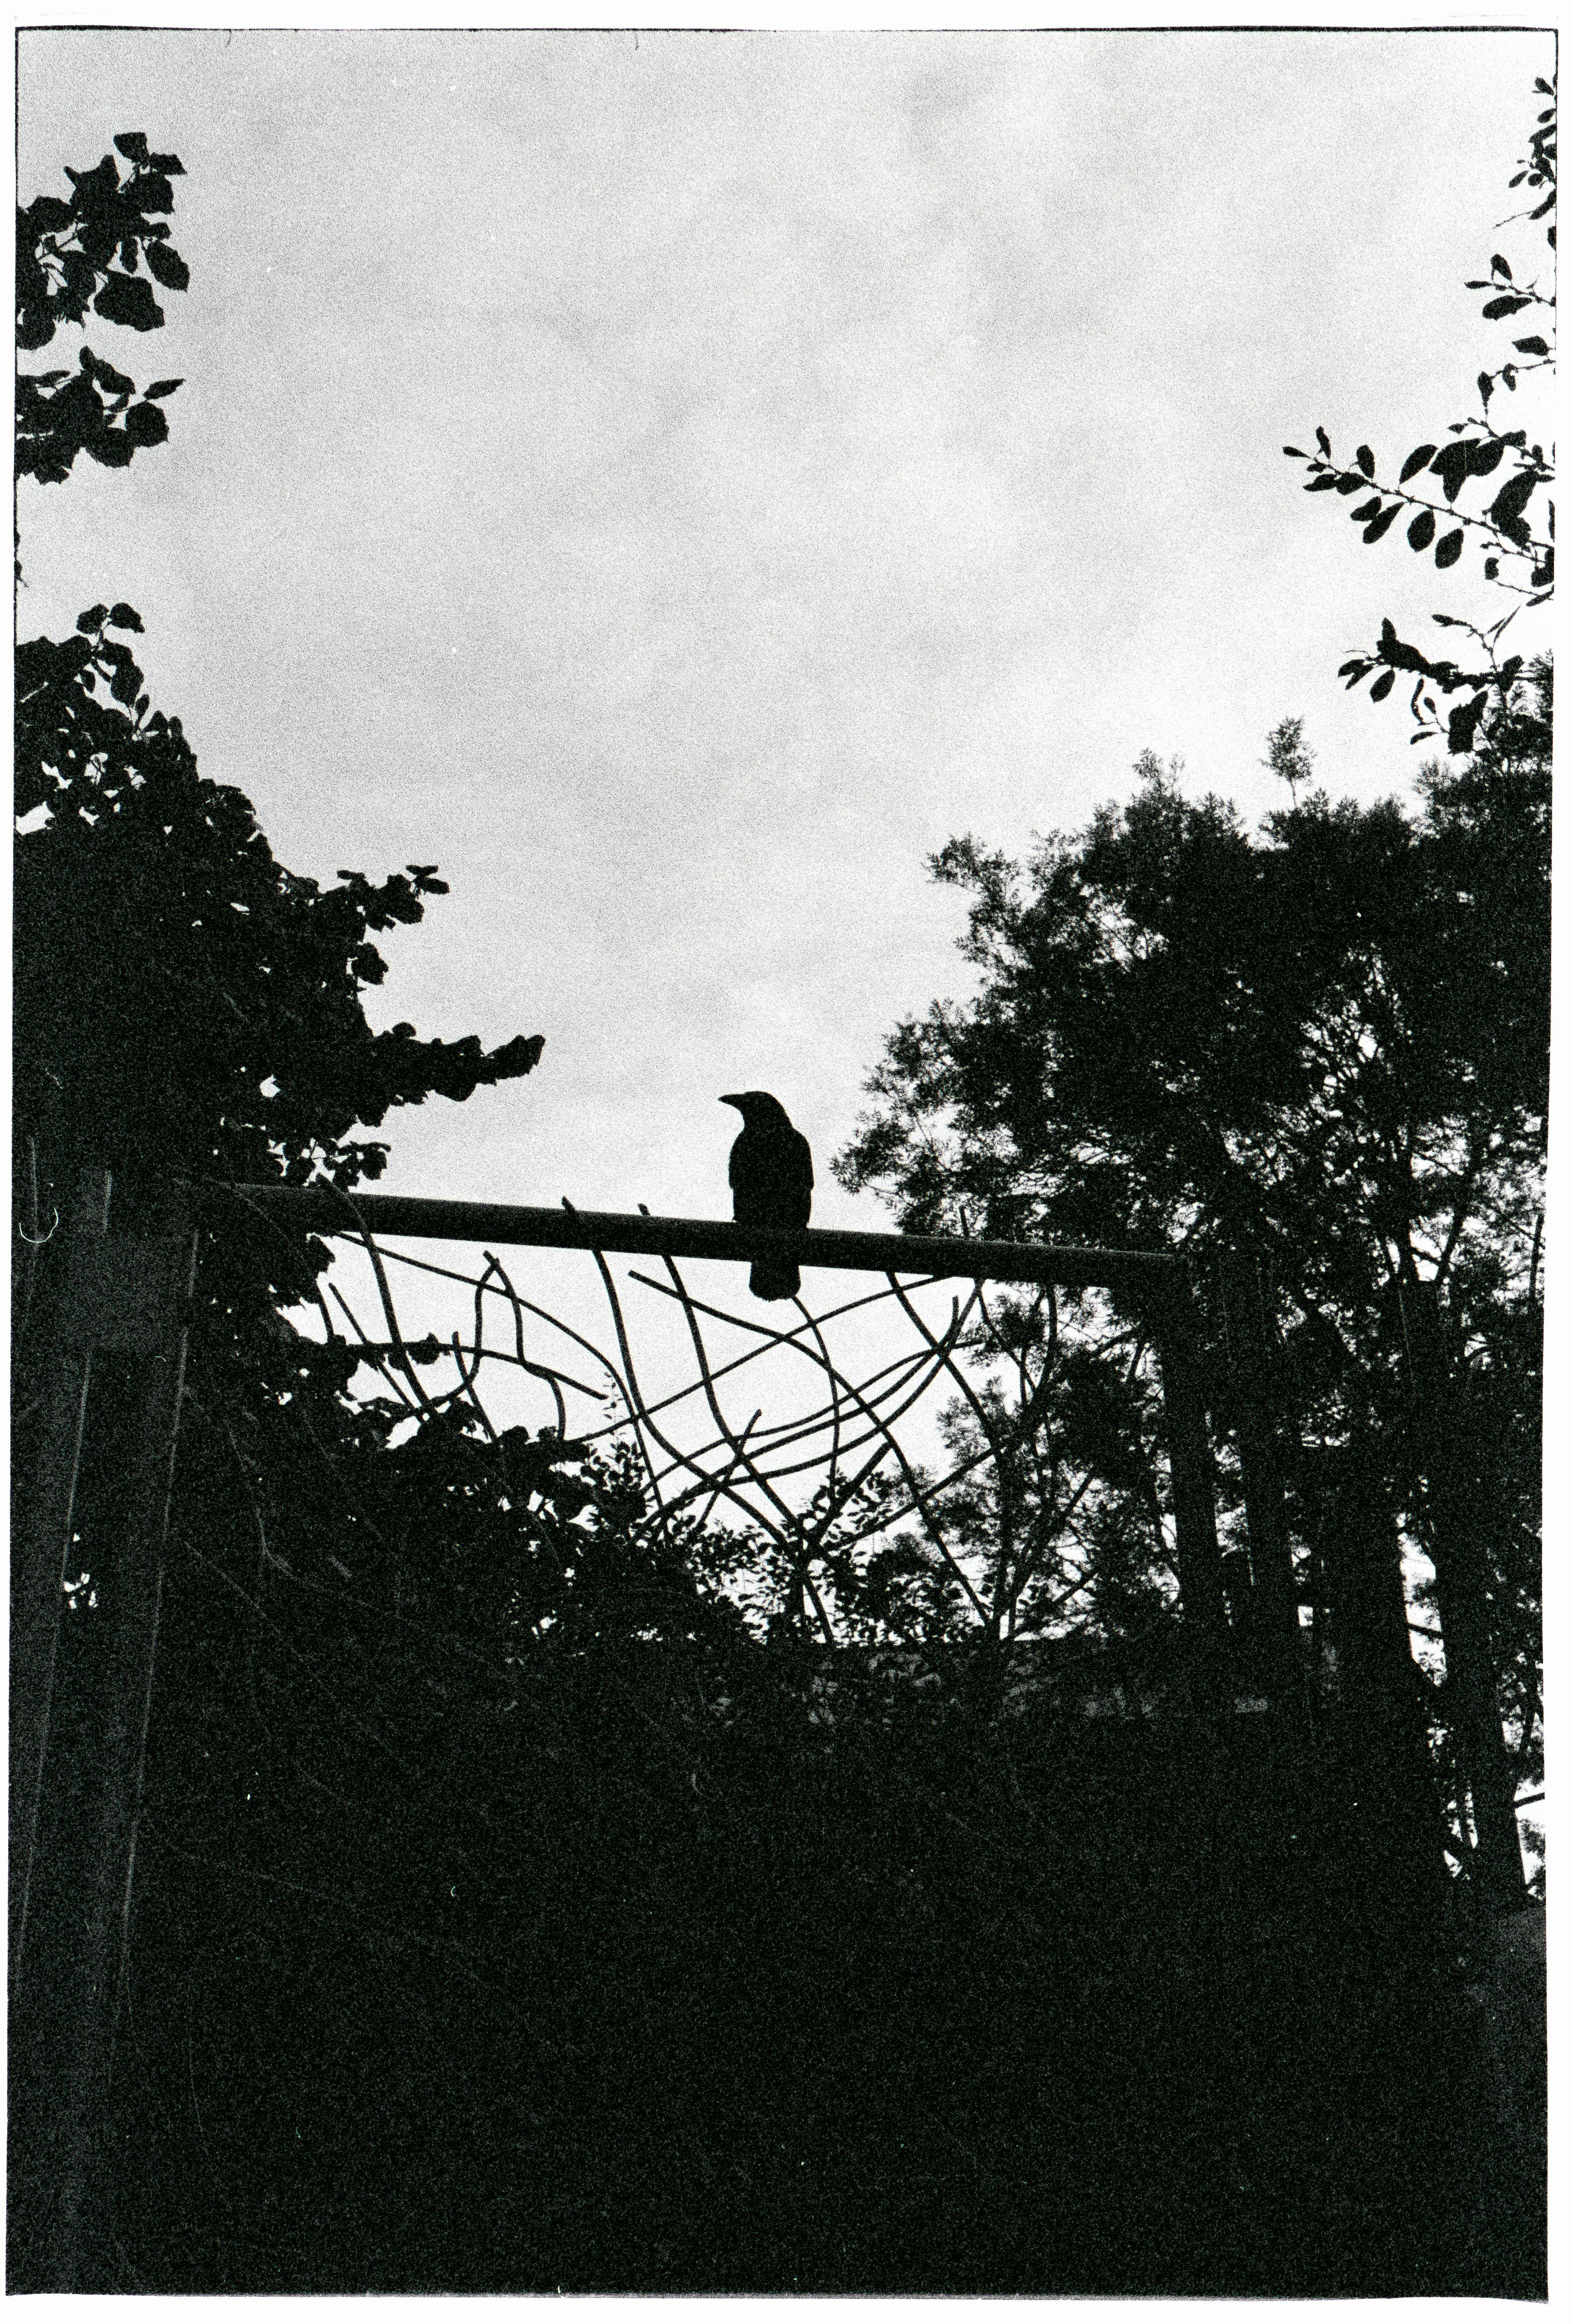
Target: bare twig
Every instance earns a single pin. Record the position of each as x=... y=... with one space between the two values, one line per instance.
x=833 y=1378
x=712 y=1399
x=466 y=1388
x=401 y=1352
x=369 y=1347
x=537 y=1372
x=810 y=1429
x=639 y=1412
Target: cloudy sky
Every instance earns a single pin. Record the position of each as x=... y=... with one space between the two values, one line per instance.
x=675 y=481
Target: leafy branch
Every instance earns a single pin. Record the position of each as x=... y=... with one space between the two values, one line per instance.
x=1539 y=169
x=66 y=250
x=60 y=413
x=1519 y=554
x=86 y=254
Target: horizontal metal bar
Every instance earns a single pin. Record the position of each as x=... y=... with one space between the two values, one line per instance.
x=323 y=1211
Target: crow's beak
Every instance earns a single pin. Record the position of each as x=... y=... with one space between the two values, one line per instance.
x=733 y=1100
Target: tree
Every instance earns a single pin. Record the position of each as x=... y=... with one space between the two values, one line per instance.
x=187 y=1010
x=1515 y=530
x=185 y=1006
x=1325 y=1045
x=211 y=1027
x=1290 y=756
x=87 y=254
x=214 y=1028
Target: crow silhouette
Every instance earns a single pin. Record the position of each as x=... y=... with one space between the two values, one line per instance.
x=772 y=1183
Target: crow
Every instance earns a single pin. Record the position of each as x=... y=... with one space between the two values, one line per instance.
x=772 y=1183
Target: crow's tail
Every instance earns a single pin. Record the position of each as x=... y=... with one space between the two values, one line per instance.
x=775 y=1278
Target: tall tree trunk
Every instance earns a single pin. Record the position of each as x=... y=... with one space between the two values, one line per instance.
x=1441 y=1452
x=1252 y=1399
x=1386 y=1757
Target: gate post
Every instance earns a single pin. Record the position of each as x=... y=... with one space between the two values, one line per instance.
x=122 y=1333
x=40 y=1549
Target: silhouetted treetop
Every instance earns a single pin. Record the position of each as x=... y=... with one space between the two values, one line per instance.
x=184 y=1001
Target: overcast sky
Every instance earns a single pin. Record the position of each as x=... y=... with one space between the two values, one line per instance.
x=675 y=485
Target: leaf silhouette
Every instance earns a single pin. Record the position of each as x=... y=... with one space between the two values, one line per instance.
x=1506 y=509
x=168 y=267
x=128 y=298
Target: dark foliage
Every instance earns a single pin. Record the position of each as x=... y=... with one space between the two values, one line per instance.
x=1327 y=1046
x=700 y=1966
x=60 y=413
x=510 y=1919
x=86 y=255
x=210 y=1027
x=213 y=1026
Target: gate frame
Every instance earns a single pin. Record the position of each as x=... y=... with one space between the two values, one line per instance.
x=132 y=1297
x=1157 y=1283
